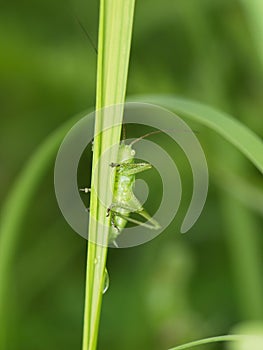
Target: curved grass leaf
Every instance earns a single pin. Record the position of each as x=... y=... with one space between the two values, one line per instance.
x=231 y=129
x=222 y=338
x=17 y=203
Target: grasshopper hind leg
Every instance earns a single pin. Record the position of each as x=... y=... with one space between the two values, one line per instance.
x=114 y=225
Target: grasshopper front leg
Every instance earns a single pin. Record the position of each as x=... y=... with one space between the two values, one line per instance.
x=129 y=169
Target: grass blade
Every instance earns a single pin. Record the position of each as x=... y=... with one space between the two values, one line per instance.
x=222 y=338
x=115 y=30
x=231 y=129
x=15 y=208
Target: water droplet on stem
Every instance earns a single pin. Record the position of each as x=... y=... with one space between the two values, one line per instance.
x=106 y=281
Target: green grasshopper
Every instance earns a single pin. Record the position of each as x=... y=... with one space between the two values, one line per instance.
x=124 y=201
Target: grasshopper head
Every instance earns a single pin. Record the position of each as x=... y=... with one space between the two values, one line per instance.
x=126 y=153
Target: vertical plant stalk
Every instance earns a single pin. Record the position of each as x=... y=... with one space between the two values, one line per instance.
x=115 y=31
x=254 y=11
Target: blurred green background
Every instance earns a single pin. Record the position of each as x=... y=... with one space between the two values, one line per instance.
x=175 y=288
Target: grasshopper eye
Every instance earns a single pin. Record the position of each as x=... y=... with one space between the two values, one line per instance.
x=133 y=152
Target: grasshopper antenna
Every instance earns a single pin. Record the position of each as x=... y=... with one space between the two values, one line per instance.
x=146 y=135
x=87 y=34
x=153 y=133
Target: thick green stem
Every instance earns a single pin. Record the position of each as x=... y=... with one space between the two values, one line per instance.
x=115 y=30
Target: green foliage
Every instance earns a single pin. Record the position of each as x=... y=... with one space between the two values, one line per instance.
x=202 y=50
